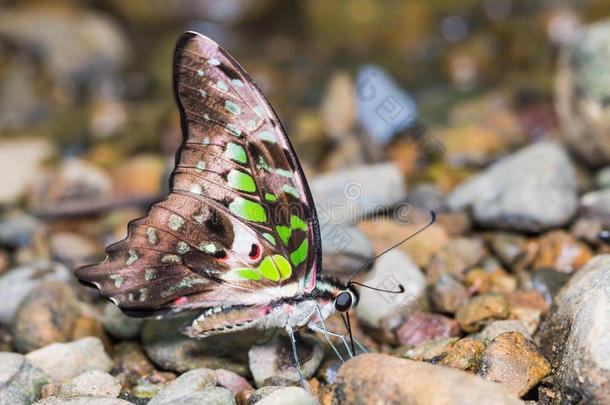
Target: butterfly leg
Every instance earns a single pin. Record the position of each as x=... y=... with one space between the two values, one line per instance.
x=296 y=356
x=316 y=328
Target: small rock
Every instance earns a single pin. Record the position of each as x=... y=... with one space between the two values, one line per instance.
x=383 y=107
x=594 y=204
x=561 y=251
x=62 y=361
x=426 y=196
x=513 y=360
x=276 y=358
x=73 y=249
x=338 y=110
x=6 y=340
x=17 y=229
x=581 y=90
x=428 y=350
x=82 y=400
x=464 y=354
x=548 y=282
x=22 y=158
x=288 y=395
x=448 y=294
x=421 y=327
x=602 y=177
x=455 y=257
x=480 y=311
x=190 y=386
x=531 y=190
x=16 y=283
x=232 y=381
x=575 y=335
x=514 y=250
x=387 y=311
x=498 y=327
x=120 y=325
x=380 y=379
x=344 y=249
x=46 y=315
x=328 y=370
x=130 y=363
x=20 y=381
x=345 y=196
x=261 y=393
x=386 y=233
x=94 y=382
x=170 y=350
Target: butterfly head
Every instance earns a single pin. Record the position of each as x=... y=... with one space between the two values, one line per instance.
x=334 y=296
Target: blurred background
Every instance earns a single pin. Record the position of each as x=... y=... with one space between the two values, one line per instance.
x=495 y=113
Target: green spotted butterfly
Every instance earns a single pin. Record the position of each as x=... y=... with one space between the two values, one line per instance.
x=237 y=239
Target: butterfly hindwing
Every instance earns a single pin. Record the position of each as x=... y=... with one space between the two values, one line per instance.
x=239 y=221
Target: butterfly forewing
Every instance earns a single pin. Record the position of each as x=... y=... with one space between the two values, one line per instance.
x=239 y=220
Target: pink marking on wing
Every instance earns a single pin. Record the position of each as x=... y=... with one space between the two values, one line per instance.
x=181 y=300
x=309 y=287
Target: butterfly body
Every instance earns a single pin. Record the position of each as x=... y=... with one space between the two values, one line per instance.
x=237 y=239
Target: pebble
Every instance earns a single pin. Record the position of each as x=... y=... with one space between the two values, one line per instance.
x=561 y=251
x=480 y=311
x=73 y=249
x=531 y=190
x=498 y=327
x=288 y=395
x=232 y=381
x=338 y=109
x=581 y=90
x=380 y=379
x=602 y=177
x=455 y=257
x=20 y=381
x=16 y=283
x=423 y=326
x=514 y=361
x=22 y=158
x=276 y=359
x=514 y=251
x=130 y=363
x=595 y=205
x=574 y=336
x=386 y=232
x=548 y=282
x=83 y=400
x=344 y=249
x=120 y=325
x=170 y=350
x=63 y=361
x=429 y=350
x=387 y=311
x=463 y=354
x=378 y=99
x=46 y=315
x=448 y=294
x=188 y=388
x=348 y=195
x=94 y=382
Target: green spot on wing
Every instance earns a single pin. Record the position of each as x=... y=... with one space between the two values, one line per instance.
x=284 y=173
x=300 y=254
x=175 y=222
x=200 y=166
x=232 y=107
x=269 y=270
x=233 y=130
x=251 y=124
x=259 y=111
x=284 y=233
x=238 y=82
x=235 y=152
x=203 y=93
x=291 y=190
x=200 y=73
x=241 y=181
x=246 y=209
x=222 y=85
x=267 y=136
x=270 y=197
x=214 y=62
x=270 y=238
x=283 y=266
x=297 y=223
x=133 y=256
x=248 y=274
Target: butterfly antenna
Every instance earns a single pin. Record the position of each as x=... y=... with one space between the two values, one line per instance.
x=368 y=262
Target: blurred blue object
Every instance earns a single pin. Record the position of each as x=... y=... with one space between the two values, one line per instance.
x=383 y=107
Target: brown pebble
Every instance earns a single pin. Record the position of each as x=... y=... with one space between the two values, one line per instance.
x=561 y=251
x=448 y=294
x=480 y=311
x=463 y=354
x=514 y=361
x=423 y=326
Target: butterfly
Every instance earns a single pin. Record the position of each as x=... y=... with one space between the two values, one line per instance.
x=237 y=239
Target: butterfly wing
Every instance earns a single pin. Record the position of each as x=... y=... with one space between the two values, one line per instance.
x=239 y=225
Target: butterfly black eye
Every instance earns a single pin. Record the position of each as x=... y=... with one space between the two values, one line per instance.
x=343 y=302
x=604 y=236
x=255 y=252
